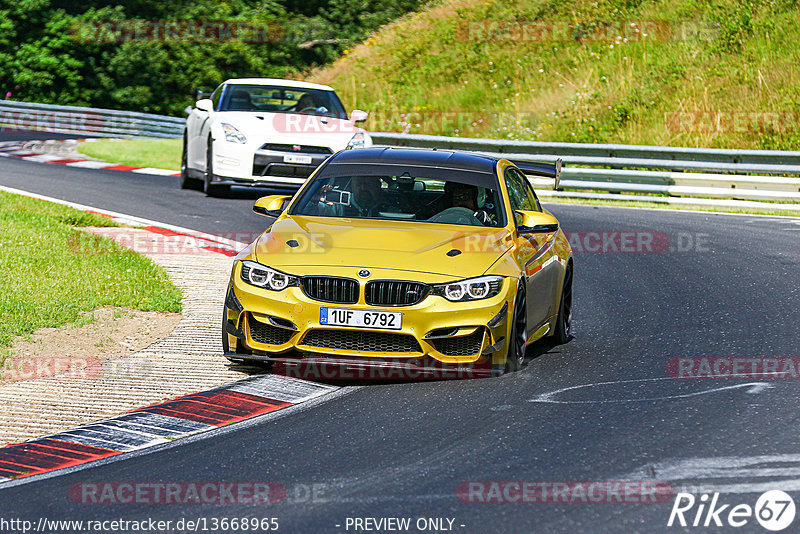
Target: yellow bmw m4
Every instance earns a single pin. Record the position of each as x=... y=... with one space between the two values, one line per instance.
x=416 y=262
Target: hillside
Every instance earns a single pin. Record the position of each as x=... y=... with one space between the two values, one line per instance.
x=710 y=73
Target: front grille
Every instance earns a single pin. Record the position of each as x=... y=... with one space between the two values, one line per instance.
x=362 y=341
x=331 y=289
x=304 y=149
x=460 y=345
x=278 y=169
x=268 y=334
x=395 y=293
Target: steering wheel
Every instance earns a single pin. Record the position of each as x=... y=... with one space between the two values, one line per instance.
x=484 y=217
x=309 y=108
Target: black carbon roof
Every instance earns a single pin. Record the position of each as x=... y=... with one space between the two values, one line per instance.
x=416 y=157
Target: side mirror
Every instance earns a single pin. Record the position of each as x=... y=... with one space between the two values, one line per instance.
x=271 y=205
x=358 y=116
x=536 y=222
x=204 y=104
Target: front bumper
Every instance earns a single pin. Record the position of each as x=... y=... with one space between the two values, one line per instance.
x=244 y=165
x=263 y=324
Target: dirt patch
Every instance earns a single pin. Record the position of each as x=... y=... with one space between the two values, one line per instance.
x=103 y=334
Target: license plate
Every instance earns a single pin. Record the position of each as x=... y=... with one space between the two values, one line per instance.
x=296 y=158
x=384 y=320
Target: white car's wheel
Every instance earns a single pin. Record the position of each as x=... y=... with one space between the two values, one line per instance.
x=186 y=181
x=210 y=189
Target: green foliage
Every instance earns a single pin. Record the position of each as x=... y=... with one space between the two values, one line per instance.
x=50 y=272
x=49 y=54
x=715 y=73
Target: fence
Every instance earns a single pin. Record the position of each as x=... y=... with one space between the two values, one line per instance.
x=696 y=175
x=764 y=175
x=87 y=121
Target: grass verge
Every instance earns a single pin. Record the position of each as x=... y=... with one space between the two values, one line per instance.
x=51 y=272
x=697 y=73
x=158 y=153
x=662 y=206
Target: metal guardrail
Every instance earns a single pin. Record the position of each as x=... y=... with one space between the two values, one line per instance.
x=765 y=175
x=87 y=121
x=673 y=171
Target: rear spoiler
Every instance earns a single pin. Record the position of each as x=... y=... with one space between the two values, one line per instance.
x=541 y=168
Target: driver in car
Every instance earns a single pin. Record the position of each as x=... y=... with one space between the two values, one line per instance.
x=306 y=103
x=366 y=194
x=462 y=202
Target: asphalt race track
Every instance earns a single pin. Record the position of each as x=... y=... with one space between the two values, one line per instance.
x=709 y=286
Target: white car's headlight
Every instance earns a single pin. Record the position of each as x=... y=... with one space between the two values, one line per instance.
x=359 y=140
x=232 y=135
x=262 y=276
x=482 y=287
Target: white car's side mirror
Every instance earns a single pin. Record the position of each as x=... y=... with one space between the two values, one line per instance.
x=358 y=116
x=204 y=104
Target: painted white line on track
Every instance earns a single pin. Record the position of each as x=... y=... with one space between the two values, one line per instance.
x=42 y=158
x=154 y=171
x=89 y=164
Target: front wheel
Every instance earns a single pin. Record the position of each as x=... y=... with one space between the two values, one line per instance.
x=212 y=190
x=186 y=181
x=519 y=333
x=564 y=318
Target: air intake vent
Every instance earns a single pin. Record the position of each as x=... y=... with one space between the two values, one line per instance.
x=460 y=345
x=361 y=341
x=268 y=334
x=304 y=149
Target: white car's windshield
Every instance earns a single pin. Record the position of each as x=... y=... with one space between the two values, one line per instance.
x=402 y=198
x=276 y=99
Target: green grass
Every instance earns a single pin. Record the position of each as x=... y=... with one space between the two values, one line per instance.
x=433 y=73
x=158 y=153
x=657 y=205
x=51 y=272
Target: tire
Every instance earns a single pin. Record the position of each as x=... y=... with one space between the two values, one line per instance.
x=564 y=318
x=210 y=189
x=519 y=333
x=186 y=181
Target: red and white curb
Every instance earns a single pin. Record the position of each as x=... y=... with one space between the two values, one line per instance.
x=19 y=150
x=157 y=424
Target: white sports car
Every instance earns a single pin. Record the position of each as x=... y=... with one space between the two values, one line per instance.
x=266 y=132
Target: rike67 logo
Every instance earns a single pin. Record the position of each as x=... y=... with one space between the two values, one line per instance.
x=774 y=510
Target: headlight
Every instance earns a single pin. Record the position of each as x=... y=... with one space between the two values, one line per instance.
x=472 y=289
x=259 y=275
x=232 y=135
x=359 y=140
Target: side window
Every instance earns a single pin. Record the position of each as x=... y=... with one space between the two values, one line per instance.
x=532 y=198
x=215 y=97
x=518 y=193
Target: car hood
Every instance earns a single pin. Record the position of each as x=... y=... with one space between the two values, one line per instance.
x=295 y=243
x=291 y=128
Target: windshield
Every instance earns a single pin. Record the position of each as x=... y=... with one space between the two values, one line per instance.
x=402 y=198
x=275 y=99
